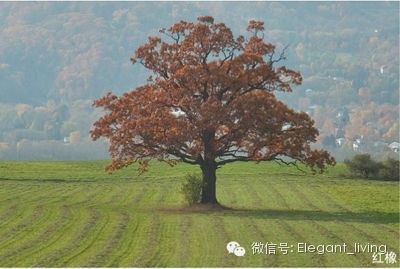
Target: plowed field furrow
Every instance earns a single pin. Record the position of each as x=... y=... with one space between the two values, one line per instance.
x=318 y=197
x=304 y=198
x=164 y=246
x=145 y=248
x=228 y=196
x=43 y=245
x=29 y=241
x=89 y=241
x=279 y=198
x=73 y=238
x=108 y=240
x=137 y=198
x=121 y=255
x=206 y=245
x=184 y=242
x=13 y=222
x=118 y=195
x=196 y=241
x=38 y=194
x=245 y=232
x=8 y=211
x=32 y=250
x=26 y=223
x=11 y=192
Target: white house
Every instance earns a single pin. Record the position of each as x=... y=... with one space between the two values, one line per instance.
x=340 y=141
x=394 y=146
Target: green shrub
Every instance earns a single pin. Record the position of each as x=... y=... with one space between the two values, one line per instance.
x=191 y=188
x=390 y=170
x=363 y=165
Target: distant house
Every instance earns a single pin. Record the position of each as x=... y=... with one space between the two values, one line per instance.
x=340 y=141
x=357 y=144
x=394 y=146
x=66 y=140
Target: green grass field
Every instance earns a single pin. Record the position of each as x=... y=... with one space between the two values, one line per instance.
x=73 y=214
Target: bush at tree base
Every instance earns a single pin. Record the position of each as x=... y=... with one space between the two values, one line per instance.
x=191 y=188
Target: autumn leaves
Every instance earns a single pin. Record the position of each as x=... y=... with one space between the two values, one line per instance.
x=219 y=85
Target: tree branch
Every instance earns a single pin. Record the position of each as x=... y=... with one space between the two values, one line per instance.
x=281 y=57
x=189 y=161
x=294 y=163
x=186 y=158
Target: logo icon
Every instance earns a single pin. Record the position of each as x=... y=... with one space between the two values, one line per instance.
x=235 y=248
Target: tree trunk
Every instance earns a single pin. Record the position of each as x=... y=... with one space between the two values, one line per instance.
x=208 y=193
x=209 y=168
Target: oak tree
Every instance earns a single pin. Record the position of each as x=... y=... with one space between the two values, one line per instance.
x=209 y=101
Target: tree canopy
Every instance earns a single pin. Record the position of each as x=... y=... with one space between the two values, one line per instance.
x=209 y=101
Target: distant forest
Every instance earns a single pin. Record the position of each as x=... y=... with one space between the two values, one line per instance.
x=57 y=57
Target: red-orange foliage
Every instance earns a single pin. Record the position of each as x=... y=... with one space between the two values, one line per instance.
x=209 y=102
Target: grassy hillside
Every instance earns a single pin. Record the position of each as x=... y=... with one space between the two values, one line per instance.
x=69 y=214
